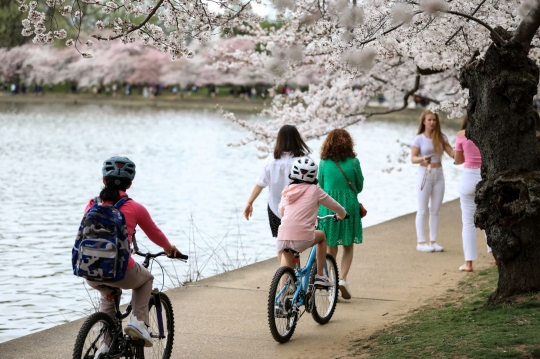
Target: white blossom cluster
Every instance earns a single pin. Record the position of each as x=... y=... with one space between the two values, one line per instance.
x=359 y=49
x=180 y=21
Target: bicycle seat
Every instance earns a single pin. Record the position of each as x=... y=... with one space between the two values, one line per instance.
x=291 y=251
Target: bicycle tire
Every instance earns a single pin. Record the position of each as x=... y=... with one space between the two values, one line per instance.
x=162 y=348
x=277 y=320
x=85 y=348
x=325 y=300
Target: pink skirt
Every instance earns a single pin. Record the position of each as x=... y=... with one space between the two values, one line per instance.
x=298 y=246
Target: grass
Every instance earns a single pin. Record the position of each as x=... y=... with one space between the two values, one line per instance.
x=460 y=325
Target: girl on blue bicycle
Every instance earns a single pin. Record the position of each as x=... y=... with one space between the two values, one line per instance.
x=298 y=208
x=118 y=174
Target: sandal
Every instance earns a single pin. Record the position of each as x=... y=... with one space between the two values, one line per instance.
x=463 y=269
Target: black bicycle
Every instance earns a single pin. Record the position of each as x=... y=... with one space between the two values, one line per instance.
x=100 y=329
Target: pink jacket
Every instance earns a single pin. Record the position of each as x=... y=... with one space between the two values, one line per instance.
x=299 y=207
x=136 y=214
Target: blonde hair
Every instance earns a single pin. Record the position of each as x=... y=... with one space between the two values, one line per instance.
x=438 y=137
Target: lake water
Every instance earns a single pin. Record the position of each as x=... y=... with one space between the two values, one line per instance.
x=192 y=183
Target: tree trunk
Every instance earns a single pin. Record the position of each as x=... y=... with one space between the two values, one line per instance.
x=501 y=89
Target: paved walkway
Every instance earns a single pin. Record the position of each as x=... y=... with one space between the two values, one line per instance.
x=225 y=316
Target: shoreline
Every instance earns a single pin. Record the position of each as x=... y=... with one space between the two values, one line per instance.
x=239 y=105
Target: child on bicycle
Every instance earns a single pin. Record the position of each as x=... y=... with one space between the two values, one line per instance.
x=298 y=208
x=118 y=174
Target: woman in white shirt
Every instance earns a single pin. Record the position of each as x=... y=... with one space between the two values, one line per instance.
x=275 y=173
x=426 y=150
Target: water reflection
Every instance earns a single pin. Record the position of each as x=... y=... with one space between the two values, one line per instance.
x=193 y=184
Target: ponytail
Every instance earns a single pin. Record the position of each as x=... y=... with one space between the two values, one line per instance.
x=113 y=186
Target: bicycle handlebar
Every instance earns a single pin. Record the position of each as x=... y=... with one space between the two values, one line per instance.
x=152 y=255
x=332 y=216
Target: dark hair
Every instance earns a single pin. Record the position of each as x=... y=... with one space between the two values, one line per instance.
x=112 y=187
x=289 y=140
x=338 y=146
x=465 y=122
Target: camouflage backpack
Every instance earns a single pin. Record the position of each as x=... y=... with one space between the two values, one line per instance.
x=101 y=249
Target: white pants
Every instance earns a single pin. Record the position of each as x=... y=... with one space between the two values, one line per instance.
x=432 y=194
x=469 y=179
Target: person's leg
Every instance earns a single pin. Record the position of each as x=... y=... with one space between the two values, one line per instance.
x=423 y=201
x=287 y=259
x=468 y=207
x=320 y=240
x=140 y=280
x=346 y=260
x=437 y=196
x=106 y=305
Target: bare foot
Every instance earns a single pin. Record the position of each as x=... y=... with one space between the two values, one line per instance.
x=465 y=268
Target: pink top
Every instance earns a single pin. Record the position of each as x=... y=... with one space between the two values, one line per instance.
x=470 y=152
x=299 y=207
x=136 y=214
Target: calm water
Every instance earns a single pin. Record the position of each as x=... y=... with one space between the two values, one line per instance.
x=193 y=184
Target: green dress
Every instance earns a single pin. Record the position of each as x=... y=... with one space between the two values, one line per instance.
x=333 y=182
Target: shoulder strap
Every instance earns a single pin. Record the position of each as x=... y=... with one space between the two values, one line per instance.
x=121 y=201
x=344 y=175
x=96 y=201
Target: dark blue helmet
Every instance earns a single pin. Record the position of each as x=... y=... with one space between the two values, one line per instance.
x=117 y=166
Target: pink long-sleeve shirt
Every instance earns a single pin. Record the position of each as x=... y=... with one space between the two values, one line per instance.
x=299 y=207
x=136 y=214
x=470 y=152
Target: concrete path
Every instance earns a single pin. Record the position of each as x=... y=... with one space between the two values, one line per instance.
x=225 y=316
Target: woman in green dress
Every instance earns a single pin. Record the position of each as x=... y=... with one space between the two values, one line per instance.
x=341 y=177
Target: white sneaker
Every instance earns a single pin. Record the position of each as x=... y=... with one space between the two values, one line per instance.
x=323 y=281
x=345 y=290
x=437 y=247
x=137 y=329
x=103 y=349
x=425 y=248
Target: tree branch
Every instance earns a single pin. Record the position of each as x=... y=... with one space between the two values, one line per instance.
x=461 y=27
x=402 y=107
x=528 y=27
x=132 y=29
x=494 y=35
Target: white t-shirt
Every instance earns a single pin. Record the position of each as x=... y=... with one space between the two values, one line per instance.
x=426 y=147
x=275 y=175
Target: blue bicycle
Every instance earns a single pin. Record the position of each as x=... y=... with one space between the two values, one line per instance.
x=291 y=290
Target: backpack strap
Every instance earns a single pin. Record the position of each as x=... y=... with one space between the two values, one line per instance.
x=120 y=202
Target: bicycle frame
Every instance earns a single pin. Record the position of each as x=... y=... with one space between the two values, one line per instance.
x=303 y=274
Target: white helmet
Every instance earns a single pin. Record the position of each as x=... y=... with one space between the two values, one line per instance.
x=304 y=169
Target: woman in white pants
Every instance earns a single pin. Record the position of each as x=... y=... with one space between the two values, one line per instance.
x=426 y=150
x=468 y=154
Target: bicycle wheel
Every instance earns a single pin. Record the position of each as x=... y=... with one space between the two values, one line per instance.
x=95 y=332
x=281 y=317
x=162 y=347
x=325 y=299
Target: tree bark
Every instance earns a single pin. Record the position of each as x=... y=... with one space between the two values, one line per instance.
x=501 y=89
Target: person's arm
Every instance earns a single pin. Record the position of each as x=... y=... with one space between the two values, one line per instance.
x=331 y=204
x=248 y=210
x=358 y=176
x=415 y=156
x=459 y=155
x=149 y=227
x=447 y=147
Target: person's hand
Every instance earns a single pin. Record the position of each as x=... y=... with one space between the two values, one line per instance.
x=172 y=251
x=426 y=160
x=248 y=211
x=339 y=218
